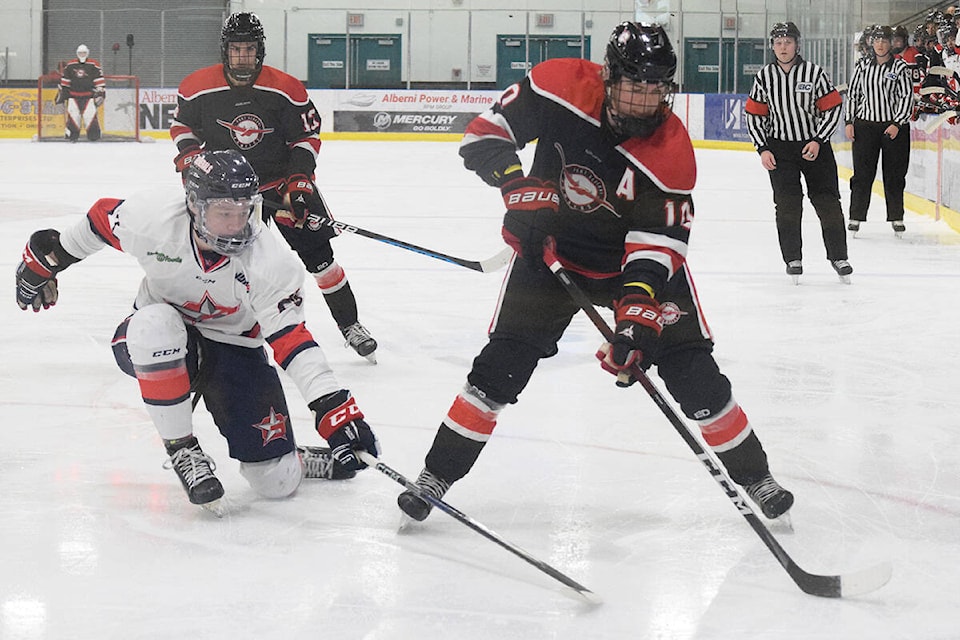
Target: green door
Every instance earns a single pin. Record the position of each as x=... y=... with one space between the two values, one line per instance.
x=512 y=62
x=327 y=61
x=374 y=61
x=749 y=60
x=701 y=65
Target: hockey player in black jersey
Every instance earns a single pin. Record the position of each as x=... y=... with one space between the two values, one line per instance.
x=266 y=115
x=611 y=182
x=83 y=89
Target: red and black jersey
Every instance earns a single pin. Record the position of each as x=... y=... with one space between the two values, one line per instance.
x=82 y=79
x=273 y=123
x=625 y=202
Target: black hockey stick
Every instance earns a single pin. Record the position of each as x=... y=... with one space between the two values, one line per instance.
x=856 y=583
x=456 y=514
x=485 y=266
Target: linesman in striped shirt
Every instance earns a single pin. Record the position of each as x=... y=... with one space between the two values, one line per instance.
x=792 y=110
x=879 y=104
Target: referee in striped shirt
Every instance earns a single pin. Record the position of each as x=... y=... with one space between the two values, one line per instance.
x=879 y=104
x=792 y=110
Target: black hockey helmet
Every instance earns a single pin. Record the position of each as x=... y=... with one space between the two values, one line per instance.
x=946 y=30
x=900 y=31
x=242 y=27
x=881 y=32
x=785 y=30
x=221 y=184
x=639 y=52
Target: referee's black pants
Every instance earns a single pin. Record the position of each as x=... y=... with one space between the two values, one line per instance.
x=823 y=189
x=868 y=143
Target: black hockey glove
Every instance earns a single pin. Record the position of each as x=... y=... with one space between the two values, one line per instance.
x=43 y=259
x=340 y=422
x=529 y=201
x=639 y=324
x=62 y=95
x=98 y=96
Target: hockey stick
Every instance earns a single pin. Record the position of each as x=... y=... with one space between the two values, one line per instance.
x=933 y=124
x=859 y=582
x=485 y=266
x=456 y=514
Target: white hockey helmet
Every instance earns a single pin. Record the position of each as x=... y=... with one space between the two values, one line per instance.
x=83 y=52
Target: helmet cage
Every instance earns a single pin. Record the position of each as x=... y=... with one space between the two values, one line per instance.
x=242 y=27
x=221 y=185
x=83 y=52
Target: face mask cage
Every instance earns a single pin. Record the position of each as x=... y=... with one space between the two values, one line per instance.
x=637 y=109
x=214 y=219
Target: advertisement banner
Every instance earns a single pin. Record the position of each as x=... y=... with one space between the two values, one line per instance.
x=401 y=121
x=724 y=117
x=18 y=112
x=386 y=111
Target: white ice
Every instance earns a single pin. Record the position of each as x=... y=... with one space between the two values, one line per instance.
x=852 y=389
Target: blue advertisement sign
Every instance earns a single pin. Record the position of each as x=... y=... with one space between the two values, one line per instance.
x=724 y=117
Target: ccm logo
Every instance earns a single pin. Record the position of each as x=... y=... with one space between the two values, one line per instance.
x=343 y=414
x=165 y=352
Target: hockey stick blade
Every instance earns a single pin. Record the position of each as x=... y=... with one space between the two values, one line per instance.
x=834 y=586
x=935 y=123
x=484 y=266
x=937 y=70
x=456 y=514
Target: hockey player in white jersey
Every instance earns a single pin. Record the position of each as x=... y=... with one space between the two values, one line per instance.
x=215 y=289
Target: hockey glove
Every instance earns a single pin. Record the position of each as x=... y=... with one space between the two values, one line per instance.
x=62 y=95
x=186 y=157
x=530 y=202
x=340 y=422
x=639 y=324
x=43 y=259
x=98 y=97
x=301 y=196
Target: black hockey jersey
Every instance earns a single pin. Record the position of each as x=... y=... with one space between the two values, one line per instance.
x=625 y=202
x=82 y=79
x=272 y=123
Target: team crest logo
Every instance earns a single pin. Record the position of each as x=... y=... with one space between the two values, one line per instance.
x=205 y=309
x=272 y=427
x=671 y=313
x=247 y=130
x=582 y=188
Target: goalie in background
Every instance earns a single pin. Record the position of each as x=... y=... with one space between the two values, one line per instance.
x=82 y=88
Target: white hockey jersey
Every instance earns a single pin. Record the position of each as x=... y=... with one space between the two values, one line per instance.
x=241 y=300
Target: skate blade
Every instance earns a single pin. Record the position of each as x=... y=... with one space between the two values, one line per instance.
x=845 y=279
x=899 y=234
x=407 y=524
x=796 y=279
x=216 y=507
x=782 y=523
x=371 y=357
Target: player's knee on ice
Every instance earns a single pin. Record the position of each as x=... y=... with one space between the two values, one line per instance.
x=156 y=334
x=275 y=478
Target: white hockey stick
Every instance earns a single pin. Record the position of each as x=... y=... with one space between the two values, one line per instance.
x=932 y=124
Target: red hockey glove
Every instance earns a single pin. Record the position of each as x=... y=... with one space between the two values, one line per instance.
x=340 y=422
x=186 y=157
x=639 y=324
x=529 y=201
x=301 y=196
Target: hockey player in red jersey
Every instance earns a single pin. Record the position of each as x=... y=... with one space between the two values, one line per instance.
x=266 y=115
x=82 y=88
x=215 y=289
x=611 y=182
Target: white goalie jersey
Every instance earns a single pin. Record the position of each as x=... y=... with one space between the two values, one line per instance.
x=243 y=300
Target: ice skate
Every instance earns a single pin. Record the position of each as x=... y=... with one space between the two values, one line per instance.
x=195 y=470
x=318 y=462
x=795 y=270
x=843 y=269
x=854 y=226
x=360 y=339
x=416 y=507
x=898 y=228
x=772 y=499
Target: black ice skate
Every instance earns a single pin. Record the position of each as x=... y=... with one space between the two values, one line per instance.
x=898 y=228
x=318 y=462
x=360 y=339
x=195 y=470
x=843 y=269
x=795 y=270
x=854 y=226
x=773 y=499
x=415 y=506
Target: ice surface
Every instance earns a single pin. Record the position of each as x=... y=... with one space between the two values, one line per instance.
x=851 y=388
